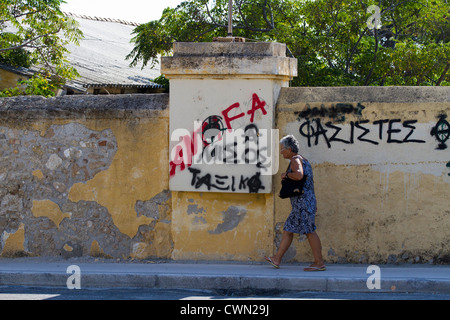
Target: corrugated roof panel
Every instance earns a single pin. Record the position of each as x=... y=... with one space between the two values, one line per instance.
x=100 y=58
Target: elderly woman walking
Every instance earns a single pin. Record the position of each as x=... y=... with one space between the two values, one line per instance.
x=302 y=217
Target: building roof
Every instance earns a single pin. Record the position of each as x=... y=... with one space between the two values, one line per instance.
x=17 y=70
x=100 y=58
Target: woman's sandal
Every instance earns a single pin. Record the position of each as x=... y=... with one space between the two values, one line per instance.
x=272 y=263
x=311 y=268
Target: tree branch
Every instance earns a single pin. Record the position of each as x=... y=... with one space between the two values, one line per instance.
x=366 y=82
x=347 y=64
x=27 y=43
x=441 y=78
x=269 y=23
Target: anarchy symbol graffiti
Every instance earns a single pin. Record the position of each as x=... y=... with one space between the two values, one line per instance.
x=442 y=132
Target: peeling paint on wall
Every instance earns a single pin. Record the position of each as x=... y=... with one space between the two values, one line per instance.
x=13 y=243
x=40 y=166
x=231 y=219
x=134 y=165
x=47 y=208
x=45 y=158
x=222 y=226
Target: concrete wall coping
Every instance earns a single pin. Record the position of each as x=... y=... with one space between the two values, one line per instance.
x=364 y=94
x=86 y=106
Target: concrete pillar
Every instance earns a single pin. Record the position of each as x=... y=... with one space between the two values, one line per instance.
x=223 y=149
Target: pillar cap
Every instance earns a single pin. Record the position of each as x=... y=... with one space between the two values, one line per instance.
x=227 y=60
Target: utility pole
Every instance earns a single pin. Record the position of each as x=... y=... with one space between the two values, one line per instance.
x=230 y=18
x=229 y=37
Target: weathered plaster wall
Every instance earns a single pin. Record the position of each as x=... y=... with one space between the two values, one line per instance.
x=381 y=167
x=85 y=175
x=222 y=226
x=9 y=79
x=222 y=112
x=89 y=175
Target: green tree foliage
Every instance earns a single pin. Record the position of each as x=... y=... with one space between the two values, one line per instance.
x=35 y=32
x=35 y=86
x=336 y=42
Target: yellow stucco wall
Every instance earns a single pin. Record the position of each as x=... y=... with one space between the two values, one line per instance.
x=136 y=173
x=222 y=226
x=9 y=79
x=222 y=207
x=381 y=201
x=90 y=176
x=85 y=177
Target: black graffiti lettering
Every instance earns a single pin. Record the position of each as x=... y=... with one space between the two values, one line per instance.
x=313 y=112
x=338 y=129
x=344 y=107
x=313 y=131
x=307 y=134
x=352 y=132
x=198 y=181
x=408 y=124
x=365 y=132
x=206 y=180
x=336 y=112
x=380 y=131
x=251 y=137
x=441 y=131
x=236 y=147
x=392 y=131
x=254 y=183
x=243 y=183
x=220 y=184
x=211 y=152
x=224 y=182
x=235 y=154
x=233 y=189
x=212 y=128
x=321 y=131
x=359 y=109
x=194 y=172
x=262 y=158
x=229 y=153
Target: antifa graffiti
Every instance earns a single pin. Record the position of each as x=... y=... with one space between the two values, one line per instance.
x=217 y=141
x=237 y=147
x=212 y=129
x=391 y=130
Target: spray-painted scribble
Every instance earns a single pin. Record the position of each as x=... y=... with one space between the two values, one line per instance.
x=218 y=140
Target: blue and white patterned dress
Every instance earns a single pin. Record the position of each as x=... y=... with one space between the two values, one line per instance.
x=302 y=217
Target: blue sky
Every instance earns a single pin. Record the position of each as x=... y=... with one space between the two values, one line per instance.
x=140 y=11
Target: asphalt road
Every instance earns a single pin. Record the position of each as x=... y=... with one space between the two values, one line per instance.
x=26 y=293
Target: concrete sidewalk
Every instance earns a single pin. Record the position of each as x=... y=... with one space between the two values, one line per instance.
x=222 y=276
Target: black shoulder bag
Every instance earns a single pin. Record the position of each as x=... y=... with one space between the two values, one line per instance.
x=292 y=188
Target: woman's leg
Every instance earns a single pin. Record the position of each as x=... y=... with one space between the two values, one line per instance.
x=316 y=248
x=286 y=241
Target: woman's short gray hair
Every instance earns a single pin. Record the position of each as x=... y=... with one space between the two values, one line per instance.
x=290 y=142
